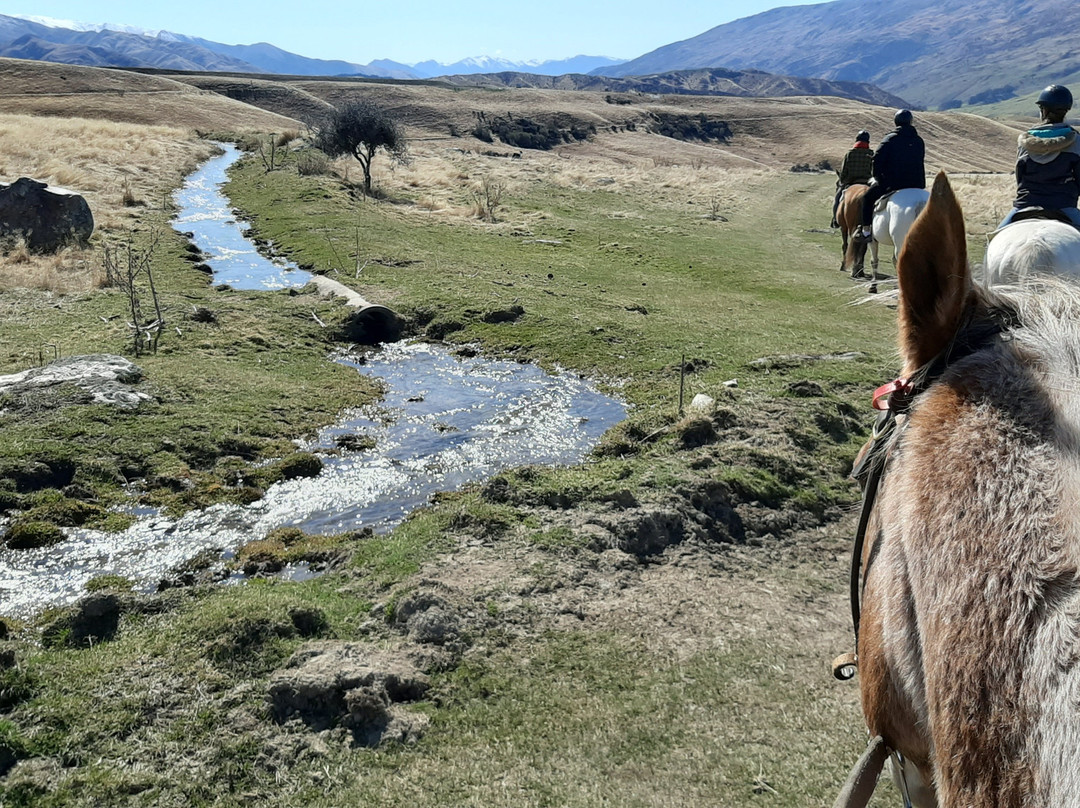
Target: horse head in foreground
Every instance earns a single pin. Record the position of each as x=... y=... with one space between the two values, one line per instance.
x=969 y=638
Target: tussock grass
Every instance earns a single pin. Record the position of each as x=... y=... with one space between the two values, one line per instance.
x=120 y=168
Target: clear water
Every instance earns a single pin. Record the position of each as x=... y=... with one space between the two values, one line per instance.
x=206 y=213
x=443 y=422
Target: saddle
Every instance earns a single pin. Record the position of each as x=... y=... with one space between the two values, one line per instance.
x=1038 y=212
x=880 y=205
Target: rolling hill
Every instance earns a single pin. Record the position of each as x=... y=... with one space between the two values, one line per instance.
x=707 y=81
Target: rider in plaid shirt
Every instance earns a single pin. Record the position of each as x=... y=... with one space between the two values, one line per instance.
x=858 y=167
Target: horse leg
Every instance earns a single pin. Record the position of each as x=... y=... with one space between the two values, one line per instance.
x=874 y=257
x=858 y=255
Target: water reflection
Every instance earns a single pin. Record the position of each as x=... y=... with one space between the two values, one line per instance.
x=443 y=422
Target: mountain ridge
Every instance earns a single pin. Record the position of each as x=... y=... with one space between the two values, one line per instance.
x=936 y=53
x=118 y=45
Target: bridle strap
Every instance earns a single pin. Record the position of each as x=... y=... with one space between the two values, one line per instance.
x=894 y=399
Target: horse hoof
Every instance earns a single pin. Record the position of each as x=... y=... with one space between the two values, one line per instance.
x=873 y=289
x=858 y=274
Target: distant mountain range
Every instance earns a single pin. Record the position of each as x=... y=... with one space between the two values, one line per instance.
x=936 y=53
x=939 y=54
x=118 y=45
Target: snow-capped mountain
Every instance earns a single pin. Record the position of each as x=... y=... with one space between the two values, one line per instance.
x=105 y=44
x=72 y=25
x=491 y=64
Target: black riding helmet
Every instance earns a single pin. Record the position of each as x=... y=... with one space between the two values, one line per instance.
x=1056 y=97
x=862 y=137
x=902 y=117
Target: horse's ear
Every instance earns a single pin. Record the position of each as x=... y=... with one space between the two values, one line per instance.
x=935 y=282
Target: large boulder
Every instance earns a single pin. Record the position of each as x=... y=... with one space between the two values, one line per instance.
x=46 y=218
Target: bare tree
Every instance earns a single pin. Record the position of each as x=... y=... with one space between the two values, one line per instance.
x=361 y=128
x=487 y=195
x=124 y=266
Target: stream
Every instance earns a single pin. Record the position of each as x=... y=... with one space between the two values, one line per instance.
x=444 y=421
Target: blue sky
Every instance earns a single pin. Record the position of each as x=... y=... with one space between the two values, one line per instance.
x=410 y=31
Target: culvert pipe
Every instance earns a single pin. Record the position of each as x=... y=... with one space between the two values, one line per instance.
x=370 y=323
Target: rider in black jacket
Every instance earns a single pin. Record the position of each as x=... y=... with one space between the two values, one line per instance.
x=1048 y=160
x=898 y=163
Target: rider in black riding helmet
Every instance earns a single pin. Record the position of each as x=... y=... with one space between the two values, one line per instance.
x=898 y=164
x=857 y=169
x=1048 y=160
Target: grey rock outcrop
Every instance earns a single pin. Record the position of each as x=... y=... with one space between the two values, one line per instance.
x=48 y=218
x=105 y=378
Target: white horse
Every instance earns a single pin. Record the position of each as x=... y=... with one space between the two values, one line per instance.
x=1032 y=247
x=891 y=225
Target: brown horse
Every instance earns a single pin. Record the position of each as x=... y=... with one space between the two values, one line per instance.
x=969 y=639
x=849 y=216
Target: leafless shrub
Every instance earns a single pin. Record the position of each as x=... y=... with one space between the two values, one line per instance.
x=129 y=269
x=271 y=153
x=487 y=196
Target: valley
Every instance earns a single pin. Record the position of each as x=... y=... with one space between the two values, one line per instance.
x=651 y=627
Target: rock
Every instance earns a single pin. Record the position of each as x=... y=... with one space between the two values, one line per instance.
x=104 y=376
x=350 y=685
x=702 y=404
x=47 y=218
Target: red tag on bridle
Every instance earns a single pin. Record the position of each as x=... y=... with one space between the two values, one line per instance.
x=886 y=391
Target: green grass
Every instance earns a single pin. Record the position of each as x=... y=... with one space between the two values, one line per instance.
x=240 y=387
x=172 y=711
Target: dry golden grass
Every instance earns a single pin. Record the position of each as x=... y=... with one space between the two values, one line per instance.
x=71 y=91
x=775 y=133
x=122 y=139
x=121 y=169
x=103 y=138
x=768 y=135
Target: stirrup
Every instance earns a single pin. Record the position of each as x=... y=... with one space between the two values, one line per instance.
x=845 y=666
